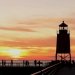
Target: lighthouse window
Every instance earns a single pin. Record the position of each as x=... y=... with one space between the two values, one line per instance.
x=65 y=28
x=61 y=28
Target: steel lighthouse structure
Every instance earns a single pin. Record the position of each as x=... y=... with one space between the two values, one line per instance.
x=63 y=43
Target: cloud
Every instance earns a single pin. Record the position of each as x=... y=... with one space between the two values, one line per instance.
x=16 y=29
x=39 y=22
x=41 y=42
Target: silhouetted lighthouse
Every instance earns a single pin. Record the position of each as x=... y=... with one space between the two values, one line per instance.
x=63 y=42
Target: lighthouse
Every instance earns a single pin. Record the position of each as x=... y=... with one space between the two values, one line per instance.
x=63 y=43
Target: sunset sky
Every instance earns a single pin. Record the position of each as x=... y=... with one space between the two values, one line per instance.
x=28 y=27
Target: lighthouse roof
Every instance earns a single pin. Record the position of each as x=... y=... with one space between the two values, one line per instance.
x=63 y=24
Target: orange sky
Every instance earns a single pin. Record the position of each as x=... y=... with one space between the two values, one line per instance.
x=28 y=27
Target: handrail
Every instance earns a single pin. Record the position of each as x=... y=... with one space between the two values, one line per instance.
x=42 y=71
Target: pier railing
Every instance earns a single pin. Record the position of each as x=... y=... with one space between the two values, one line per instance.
x=19 y=63
x=48 y=70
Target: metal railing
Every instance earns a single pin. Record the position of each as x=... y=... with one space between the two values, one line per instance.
x=20 y=63
x=49 y=70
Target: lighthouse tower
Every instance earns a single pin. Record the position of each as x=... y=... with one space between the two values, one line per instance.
x=63 y=43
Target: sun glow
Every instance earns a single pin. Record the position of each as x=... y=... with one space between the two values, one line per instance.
x=17 y=53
